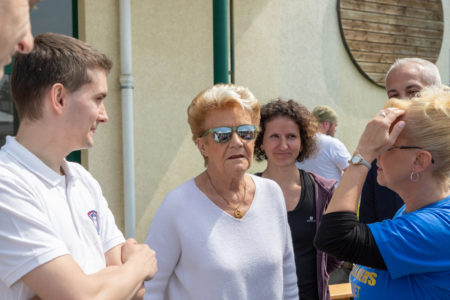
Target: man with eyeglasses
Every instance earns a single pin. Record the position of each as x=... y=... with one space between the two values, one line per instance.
x=15 y=29
x=405 y=78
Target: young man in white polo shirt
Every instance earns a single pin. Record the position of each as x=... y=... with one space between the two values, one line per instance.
x=58 y=239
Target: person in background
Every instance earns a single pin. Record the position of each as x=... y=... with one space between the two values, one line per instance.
x=286 y=137
x=15 y=29
x=223 y=234
x=405 y=78
x=58 y=238
x=330 y=162
x=332 y=155
x=406 y=257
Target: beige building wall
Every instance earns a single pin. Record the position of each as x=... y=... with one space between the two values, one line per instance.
x=291 y=49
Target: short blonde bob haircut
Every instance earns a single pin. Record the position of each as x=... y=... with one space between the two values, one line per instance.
x=220 y=96
x=427 y=120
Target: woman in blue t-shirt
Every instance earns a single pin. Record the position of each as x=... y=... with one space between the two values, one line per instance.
x=407 y=257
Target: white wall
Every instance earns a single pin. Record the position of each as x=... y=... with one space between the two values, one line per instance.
x=286 y=48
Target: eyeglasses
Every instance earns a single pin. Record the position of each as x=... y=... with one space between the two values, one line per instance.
x=408 y=147
x=404 y=147
x=223 y=134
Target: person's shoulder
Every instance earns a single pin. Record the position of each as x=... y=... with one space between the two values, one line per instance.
x=12 y=171
x=181 y=199
x=444 y=202
x=334 y=141
x=324 y=183
x=188 y=185
x=270 y=196
x=432 y=215
x=329 y=142
x=441 y=208
x=78 y=171
x=181 y=193
x=262 y=182
x=8 y=166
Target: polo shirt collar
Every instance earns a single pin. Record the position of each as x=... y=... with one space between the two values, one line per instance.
x=31 y=162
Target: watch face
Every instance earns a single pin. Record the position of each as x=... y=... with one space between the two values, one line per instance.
x=356 y=159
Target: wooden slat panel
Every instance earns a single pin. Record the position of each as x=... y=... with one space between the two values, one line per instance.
x=374 y=68
x=385 y=19
x=425 y=4
x=377 y=32
x=392 y=39
x=379 y=57
x=377 y=77
x=391 y=29
x=372 y=7
x=389 y=49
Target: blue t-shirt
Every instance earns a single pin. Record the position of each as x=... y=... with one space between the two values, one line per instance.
x=416 y=249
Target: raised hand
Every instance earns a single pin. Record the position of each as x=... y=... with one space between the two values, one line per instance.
x=379 y=133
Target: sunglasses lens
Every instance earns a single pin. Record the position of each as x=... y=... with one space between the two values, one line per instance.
x=222 y=134
x=246 y=132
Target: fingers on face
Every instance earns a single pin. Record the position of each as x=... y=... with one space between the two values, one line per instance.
x=391 y=113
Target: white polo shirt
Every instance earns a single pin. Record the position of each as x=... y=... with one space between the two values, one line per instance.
x=44 y=215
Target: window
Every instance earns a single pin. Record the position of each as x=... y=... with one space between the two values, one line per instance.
x=58 y=16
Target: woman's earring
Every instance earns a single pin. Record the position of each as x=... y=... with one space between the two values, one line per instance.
x=414 y=177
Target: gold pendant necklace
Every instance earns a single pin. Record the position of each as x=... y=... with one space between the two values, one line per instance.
x=237 y=211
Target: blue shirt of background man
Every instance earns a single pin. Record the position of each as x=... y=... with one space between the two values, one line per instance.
x=416 y=249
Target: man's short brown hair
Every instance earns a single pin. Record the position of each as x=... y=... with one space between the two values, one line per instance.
x=55 y=58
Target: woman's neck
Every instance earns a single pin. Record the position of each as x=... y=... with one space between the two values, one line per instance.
x=285 y=175
x=425 y=192
x=225 y=184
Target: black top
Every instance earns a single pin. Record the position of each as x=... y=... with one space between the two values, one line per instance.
x=341 y=235
x=378 y=203
x=302 y=221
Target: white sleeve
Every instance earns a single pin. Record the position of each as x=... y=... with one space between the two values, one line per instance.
x=27 y=239
x=163 y=238
x=110 y=234
x=340 y=155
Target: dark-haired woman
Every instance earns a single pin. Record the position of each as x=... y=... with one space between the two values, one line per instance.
x=287 y=136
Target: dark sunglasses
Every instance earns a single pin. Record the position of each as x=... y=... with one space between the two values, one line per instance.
x=408 y=147
x=223 y=134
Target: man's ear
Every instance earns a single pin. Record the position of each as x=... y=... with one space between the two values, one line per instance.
x=324 y=126
x=58 y=95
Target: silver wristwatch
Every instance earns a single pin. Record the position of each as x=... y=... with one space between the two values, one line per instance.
x=359 y=160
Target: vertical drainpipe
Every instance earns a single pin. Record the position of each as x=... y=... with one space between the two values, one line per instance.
x=232 y=73
x=220 y=41
x=126 y=86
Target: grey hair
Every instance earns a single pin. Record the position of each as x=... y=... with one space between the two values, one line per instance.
x=430 y=72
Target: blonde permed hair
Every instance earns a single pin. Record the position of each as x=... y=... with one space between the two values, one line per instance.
x=427 y=120
x=220 y=96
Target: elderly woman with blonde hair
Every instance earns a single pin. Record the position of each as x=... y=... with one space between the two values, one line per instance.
x=407 y=257
x=223 y=234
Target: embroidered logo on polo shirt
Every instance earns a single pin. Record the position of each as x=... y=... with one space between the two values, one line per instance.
x=94 y=218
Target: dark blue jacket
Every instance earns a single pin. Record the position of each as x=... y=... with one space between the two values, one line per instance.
x=378 y=203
